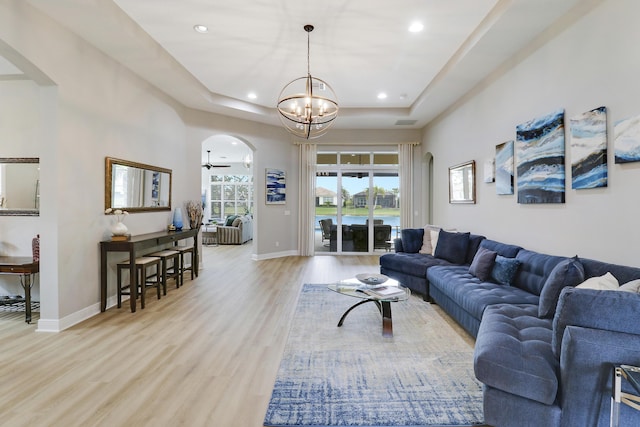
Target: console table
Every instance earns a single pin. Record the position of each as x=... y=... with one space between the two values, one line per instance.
x=132 y=247
x=24 y=267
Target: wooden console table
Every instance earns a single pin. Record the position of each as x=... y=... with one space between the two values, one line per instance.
x=24 y=267
x=132 y=246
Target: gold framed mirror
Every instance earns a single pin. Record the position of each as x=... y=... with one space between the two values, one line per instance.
x=462 y=183
x=136 y=187
x=19 y=186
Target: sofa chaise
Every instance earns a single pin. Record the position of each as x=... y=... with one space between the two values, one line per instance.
x=545 y=346
x=236 y=230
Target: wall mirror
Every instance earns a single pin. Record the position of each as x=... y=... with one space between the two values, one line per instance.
x=20 y=186
x=462 y=183
x=136 y=187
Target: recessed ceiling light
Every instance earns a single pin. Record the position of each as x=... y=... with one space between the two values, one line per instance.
x=201 y=29
x=416 y=27
x=252 y=95
x=382 y=95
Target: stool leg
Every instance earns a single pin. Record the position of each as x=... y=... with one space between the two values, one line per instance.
x=119 y=287
x=164 y=275
x=177 y=267
x=142 y=282
x=163 y=279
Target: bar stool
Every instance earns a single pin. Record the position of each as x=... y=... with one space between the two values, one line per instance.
x=143 y=264
x=185 y=250
x=172 y=271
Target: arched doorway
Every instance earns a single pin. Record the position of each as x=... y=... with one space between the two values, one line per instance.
x=227 y=178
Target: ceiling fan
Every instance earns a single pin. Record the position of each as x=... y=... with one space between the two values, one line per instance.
x=208 y=165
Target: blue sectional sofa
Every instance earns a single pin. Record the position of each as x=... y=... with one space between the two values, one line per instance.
x=545 y=349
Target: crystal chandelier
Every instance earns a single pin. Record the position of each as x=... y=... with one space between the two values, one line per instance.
x=307 y=105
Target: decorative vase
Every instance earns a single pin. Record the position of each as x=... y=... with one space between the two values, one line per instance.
x=177 y=219
x=119 y=229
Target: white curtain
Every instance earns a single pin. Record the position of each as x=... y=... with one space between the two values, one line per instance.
x=405 y=158
x=306 y=197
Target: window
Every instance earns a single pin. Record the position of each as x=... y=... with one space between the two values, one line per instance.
x=231 y=195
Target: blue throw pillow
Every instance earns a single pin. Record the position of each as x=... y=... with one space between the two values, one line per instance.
x=482 y=264
x=412 y=239
x=568 y=272
x=504 y=270
x=452 y=246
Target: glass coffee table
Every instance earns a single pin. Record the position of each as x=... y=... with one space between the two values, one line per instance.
x=367 y=293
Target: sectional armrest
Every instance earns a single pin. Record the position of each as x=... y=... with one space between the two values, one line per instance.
x=614 y=311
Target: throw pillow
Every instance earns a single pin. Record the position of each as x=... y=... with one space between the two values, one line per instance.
x=482 y=263
x=607 y=282
x=452 y=246
x=504 y=270
x=632 y=286
x=230 y=219
x=236 y=222
x=411 y=239
x=568 y=272
x=427 y=247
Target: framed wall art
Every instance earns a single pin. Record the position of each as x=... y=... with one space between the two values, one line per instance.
x=276 y=187
x=627 y=140
x=462 y=183
x=540 y=159
x=589 y=149
x=504 y=168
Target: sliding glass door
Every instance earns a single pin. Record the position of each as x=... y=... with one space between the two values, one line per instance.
x=357 y=208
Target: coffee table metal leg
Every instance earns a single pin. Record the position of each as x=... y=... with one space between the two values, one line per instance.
x=387 y=326
x=385 y=310
x=351 y=308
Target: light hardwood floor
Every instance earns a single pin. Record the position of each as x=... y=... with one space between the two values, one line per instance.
x=204 y=355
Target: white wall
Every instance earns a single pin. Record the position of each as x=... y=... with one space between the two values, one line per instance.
x=591 y=63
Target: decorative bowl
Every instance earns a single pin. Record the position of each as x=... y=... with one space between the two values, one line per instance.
x=371 y=279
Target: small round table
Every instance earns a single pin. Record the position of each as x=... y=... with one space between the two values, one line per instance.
x=356 y=289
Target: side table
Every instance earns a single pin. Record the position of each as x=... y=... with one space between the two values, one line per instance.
x=632 y=375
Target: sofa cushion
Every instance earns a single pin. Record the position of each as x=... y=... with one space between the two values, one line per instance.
x=412 y=239
x=513 y=352
x=606 y=282
x=482 y=264
x=504 y=270
x=414 y=264
x=534 y=270
x=236 y=222
x=591 y=308
x=632 y=286
x=472 y=294
x=452 y=246
x=427 y=247
x=474 y=243
x=503 y=249
x=568 y=272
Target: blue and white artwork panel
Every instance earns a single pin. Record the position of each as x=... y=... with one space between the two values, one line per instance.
x=540 y=152
x=627 y=140
x=589 y=149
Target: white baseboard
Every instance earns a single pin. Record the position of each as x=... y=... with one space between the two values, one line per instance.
x=272 y=255
x=58 y=325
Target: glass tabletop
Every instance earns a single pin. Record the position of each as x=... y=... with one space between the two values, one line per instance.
x=391 y=290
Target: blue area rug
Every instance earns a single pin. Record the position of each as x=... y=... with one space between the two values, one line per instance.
x=353 y=376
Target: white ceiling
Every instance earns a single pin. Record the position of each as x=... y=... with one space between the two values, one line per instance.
x=359 y=47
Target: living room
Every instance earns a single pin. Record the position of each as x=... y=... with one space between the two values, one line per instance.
x=90 y=106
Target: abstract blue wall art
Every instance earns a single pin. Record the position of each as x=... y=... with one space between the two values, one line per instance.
x=627 y=140
x=589 y=149
x=540 y=159
x=276 y=187
x=504 y=168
